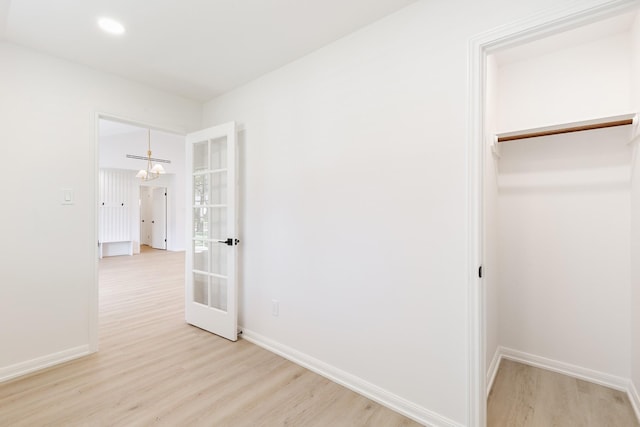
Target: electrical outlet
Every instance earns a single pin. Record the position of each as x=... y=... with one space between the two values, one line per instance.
x=275 y=307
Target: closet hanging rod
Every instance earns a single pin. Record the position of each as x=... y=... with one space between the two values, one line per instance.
x=608 y=122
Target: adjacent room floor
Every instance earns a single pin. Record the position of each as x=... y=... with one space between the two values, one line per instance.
x=524 y=396
x=152 y=368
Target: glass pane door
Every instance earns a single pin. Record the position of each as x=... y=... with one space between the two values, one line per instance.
x=211 y=289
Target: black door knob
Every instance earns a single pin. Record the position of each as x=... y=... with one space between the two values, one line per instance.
x=229 y=241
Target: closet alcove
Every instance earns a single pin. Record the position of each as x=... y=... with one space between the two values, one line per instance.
x=562 y=204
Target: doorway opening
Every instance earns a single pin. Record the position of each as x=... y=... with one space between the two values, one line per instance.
x=153 y=217
x=125 y=201
x=555 y=212
x=122 y=147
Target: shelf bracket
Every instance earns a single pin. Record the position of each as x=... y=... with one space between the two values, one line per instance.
x=635 y=132
x=495 y=147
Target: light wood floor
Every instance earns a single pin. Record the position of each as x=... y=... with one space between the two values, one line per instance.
x=153 y=369
x=524 y=396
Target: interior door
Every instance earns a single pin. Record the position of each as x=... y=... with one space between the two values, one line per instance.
x=211 y=287
x=159 y=218
x=145 y=215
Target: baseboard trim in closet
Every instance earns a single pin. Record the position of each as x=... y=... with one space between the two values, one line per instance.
x=586 y=374
x=352 y=382
x=493 y=369
x=634 y=397
x=33 y=365
x=596 y=377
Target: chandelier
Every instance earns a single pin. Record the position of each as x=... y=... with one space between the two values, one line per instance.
x=152 y=171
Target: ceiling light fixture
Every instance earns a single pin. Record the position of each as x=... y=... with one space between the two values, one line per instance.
x=152 y=172
x=111 y=26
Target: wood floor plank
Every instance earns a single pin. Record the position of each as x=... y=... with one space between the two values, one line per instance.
x=154 y=369
x=524 y=396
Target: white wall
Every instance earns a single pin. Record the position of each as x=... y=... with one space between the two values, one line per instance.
x=581 y=82
x=114 y=148
x=354 y=200
x=564 y=249
x=564 y=209
x=48 y=255
x=635 y=219
x=113 y=151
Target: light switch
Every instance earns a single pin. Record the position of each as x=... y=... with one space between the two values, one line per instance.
x=67 y=196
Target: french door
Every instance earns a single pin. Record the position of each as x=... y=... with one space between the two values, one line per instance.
x=211 y=294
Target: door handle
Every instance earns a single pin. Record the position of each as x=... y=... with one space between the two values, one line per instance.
x=153 y=222
x=229 y=241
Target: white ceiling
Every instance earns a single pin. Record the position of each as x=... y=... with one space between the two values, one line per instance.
x=196 y=48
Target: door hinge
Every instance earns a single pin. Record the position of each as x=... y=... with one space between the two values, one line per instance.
x=480 y=272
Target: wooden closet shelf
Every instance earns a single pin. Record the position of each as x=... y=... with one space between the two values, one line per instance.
x=600 y=123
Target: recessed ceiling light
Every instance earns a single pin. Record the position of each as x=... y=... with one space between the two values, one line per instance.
x=111 y=26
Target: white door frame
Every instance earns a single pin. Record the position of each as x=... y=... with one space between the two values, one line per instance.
x=532 y=28
x=94 y=298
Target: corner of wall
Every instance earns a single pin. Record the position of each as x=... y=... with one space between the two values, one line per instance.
x=634 y=397
x=635 y=61
x=492 y=371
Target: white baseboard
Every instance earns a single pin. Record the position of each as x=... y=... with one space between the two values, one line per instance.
x=597 y=377
x=23 y=368
x=358 y=385
x=493 y=369
x=634 y=397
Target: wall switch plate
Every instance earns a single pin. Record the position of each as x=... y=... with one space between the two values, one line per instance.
x=275 y=307
x=67 y=196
